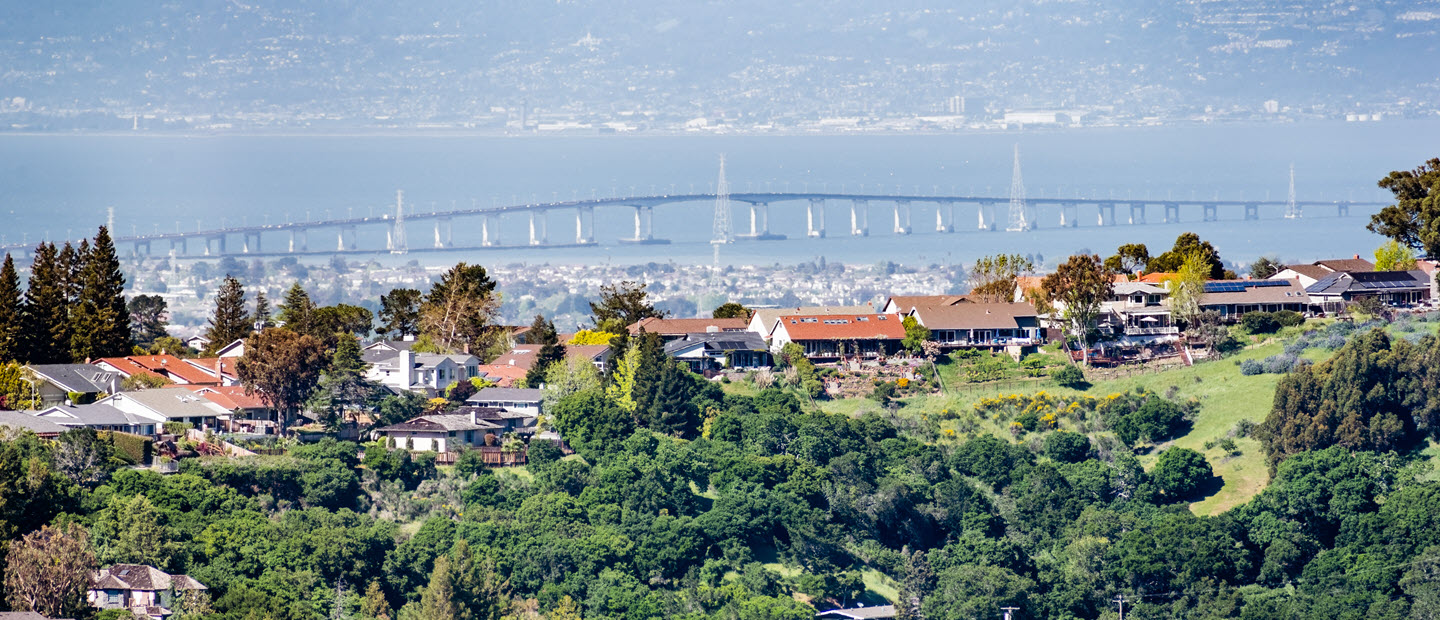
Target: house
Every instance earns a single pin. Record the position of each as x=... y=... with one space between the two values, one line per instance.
x=502 y=375
x=382 y=350
x=1396 y=288
x=146 y=591
x=763 y=320
x=972 y=324
x=248 y=412
x=520 y=422
x=57 y=383
x=1138 y=309
x=221 y=369
x=168 y=367
x=430 y=373
x=1320 y=269
x=523 y=357
x=714 y=351
x=169 y=404
x=674 y=329
x=444 y=432
x=839 y=335
x=519 y=400
x=101 y=417
x=197 y=343
x=903 y=304
x=20 y=421
x=877 y=612
x=1233 y=298
x=234 y=349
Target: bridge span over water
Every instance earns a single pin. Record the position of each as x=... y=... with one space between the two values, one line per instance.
x=853 y=209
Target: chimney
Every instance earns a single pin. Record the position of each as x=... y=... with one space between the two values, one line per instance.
x=1357 y=257
x=475 y=416
x=407 y=367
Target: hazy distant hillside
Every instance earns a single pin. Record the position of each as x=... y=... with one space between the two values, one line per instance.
x=349 y=62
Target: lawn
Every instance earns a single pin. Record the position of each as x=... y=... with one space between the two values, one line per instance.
x=1225 y=395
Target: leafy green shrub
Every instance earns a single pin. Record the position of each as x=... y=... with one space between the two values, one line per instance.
x=1180 y=472
x=1067 y=446
x=1069 y=376
x=1260 y=323
x=133 y=449
x=1143 y=416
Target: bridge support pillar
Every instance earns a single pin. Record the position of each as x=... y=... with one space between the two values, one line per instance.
x=445 y=240
x=537 y=227
x=944 y=217
x=581 y=235
x=902 y=217
x=1172 y=213
x=1137 y=213
x=219 y=244
x=489 y=230
x=1342 y=209
x=987 y=216
x=644 y=224
x=859 y=218
x=815 y=218
x=1210 y=214
x=138 y=248
x=299 y=240
x=1252 y=211
x=1068 y=217
x=179 y=243
x=1106 y=208
x=249 y=247
x=759 y=219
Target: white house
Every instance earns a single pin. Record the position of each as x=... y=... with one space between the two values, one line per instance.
x=102 y=417
x=423 y=372
x=440 y=432
x=517 y=400
x=169 y=404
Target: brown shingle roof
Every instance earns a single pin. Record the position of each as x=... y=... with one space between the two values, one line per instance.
x=906 y=302
x=975 y=316
x=1347 y=264
x=680 y=327
x=1315 y=272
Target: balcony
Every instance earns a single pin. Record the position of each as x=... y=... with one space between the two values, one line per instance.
x=1135 y=330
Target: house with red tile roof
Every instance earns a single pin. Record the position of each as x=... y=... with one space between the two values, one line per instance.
x=246 y=410
x=835 y=336
x=168 y=367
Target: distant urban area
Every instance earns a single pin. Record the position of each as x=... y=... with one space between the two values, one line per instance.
x=813 y=67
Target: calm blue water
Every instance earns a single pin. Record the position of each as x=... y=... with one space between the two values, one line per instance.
x=59 y=186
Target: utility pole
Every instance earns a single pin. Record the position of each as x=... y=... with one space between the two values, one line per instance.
x=1120 y=600
x=1007 y=611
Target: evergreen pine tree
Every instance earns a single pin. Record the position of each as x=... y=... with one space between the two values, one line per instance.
x=670 y=408
x=542 y=333
x=230 y=322
x=45 y=314
x=100 y=320
x=261 y=318
x=438 y=602
x=297 y=311
x=649 y=366
x=11 y=345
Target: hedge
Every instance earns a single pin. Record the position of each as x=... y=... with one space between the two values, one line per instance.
x=135 y=449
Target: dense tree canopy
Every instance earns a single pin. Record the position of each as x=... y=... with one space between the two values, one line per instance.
x=1414 y=220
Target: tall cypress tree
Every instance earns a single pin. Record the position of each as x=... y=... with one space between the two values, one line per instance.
x=261 y=318
x=297 y=311
x=100 y=322
x=542 y=333
x=230 y=321
x=45 y=314
x=11 y=346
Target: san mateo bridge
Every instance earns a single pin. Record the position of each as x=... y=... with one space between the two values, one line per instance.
x=332 y=236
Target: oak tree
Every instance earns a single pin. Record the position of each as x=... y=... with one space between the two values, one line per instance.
x=49 y=572
x=1414 y=220
x=282 y=367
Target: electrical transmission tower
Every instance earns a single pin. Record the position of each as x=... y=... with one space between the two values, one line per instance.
x=397 y=230
x=1292 y=210
x=722 y=234
x=1019 y=217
